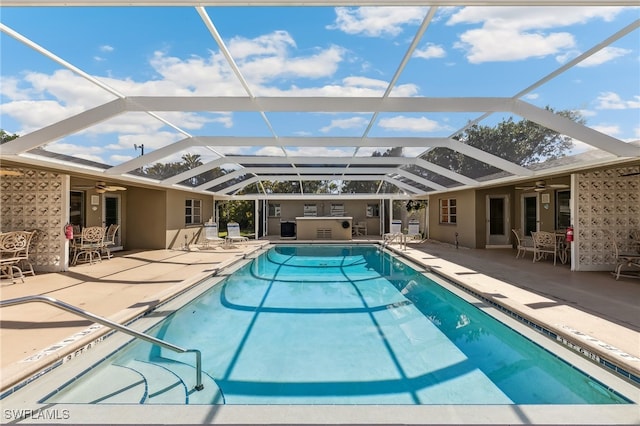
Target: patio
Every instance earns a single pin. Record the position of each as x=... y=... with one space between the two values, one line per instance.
x=592 y=309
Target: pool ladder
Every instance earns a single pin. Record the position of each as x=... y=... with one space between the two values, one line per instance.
x=114 y=325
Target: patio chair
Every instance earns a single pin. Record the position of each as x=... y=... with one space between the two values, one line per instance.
x=524 y=245
x=360 y=228
x=23 y=254
x=109 y=239
x=14 y=249
x=413 y=230
x=89 y=245
x=233 y=233
x=625 y=259
x=211 y=234
x=394 y=233
x=544 y=243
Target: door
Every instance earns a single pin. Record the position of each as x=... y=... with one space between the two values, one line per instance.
x=111 y=215
x=530 y=214
x=498 y=221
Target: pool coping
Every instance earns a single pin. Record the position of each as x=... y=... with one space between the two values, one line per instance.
x=317 y=414
x=607 y=356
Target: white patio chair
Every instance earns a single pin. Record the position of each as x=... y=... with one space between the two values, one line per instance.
x=360 y=228
x=413 y=230
x=14 y=249
x=395 y=232
x=544 y=243
x=524 y=245
x=89 y=245
x=624 y=259
x=211 y=234
x=109 y=239
x=233 y=233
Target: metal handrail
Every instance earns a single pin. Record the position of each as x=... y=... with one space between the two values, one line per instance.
x=108 y=323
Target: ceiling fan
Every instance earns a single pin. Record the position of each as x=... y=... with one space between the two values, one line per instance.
x=101 y=187
x=541 y=185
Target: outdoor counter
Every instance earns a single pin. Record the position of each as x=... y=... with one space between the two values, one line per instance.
x=324 y=227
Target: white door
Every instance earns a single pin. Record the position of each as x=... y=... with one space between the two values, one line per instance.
x=498 y=221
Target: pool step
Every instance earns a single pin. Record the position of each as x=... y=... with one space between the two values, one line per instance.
x=111 y=384
x=211 y=394
x=160 y=381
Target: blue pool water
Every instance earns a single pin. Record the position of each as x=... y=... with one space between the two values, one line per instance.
x=343 y=325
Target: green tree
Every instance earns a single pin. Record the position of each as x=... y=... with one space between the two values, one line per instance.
x=371 y=187
x=6 y=137
x=522 y=142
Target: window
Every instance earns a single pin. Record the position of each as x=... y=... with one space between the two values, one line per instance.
x=274 y=210
x=192 y=211
x=373 y=210
x=448 y=210
x=310 y=210
x=337 y=209
x=563 y=212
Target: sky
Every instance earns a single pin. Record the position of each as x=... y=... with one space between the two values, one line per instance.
x=308 y=51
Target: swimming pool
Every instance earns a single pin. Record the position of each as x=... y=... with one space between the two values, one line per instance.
x=351 y=325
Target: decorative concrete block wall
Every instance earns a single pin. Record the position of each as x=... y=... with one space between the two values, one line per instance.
x=37 y=200
x=608 y=207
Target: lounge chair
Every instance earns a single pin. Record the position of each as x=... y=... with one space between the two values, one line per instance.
x=233 y=233
x=395 y=232
x=211 y=235
x=413 y=230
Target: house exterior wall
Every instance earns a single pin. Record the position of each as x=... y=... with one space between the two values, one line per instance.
x=466 y=219
x=177 y=232
x=290 y=209
x=146 y=230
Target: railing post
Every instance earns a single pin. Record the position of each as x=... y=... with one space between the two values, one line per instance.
x=111 y=324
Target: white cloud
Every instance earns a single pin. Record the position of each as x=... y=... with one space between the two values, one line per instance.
x=605 y=55
x=587 y=113
x=269 y=56
x=607 y=129
x=106 y=48
x=532 y=96
x=484 y=45
x=611 y=100
x=430 y=51
x=346 y=123
x=376 y=21
x=516 y=33
x=411 y=124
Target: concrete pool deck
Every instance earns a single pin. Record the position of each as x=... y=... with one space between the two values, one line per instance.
x=591 y=309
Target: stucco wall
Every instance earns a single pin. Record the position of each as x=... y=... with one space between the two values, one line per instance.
x=466 y=219
x=146 y=218
x=177 y=232
x=357 y=209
